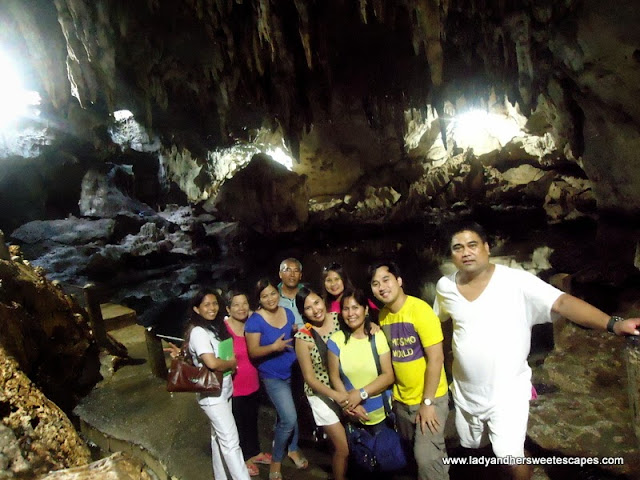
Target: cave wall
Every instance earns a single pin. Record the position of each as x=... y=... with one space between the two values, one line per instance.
x=337 y=77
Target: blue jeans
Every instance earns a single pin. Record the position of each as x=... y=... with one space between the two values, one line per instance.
x=286 y=430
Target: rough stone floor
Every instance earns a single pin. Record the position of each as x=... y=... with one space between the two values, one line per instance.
x=131 y=411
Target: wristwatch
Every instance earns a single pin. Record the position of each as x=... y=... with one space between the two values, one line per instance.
x=428 y=402
x=363 y=394
x=612 y=321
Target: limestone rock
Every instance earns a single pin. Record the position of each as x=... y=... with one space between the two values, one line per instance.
x=118 y=466
x=48 y=334
x=35 y=435
x=69 y=231
x=265 y=196
x=569 y=198
x=588 y=412
x=4 y=251
x=102 y=195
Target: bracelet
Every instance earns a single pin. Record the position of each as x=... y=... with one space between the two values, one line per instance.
x=612 y=321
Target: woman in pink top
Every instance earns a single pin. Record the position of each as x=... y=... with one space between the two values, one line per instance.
x=245 y=384
x=336 y=281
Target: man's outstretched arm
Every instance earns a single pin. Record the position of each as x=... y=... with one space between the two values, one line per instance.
x=585 y=314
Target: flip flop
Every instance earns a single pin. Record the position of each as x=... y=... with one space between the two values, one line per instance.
x=301 y=463
x=253 y=469
x=275 y=475
x=262 y=459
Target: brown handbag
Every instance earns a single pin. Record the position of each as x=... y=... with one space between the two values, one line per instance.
x=184 y=376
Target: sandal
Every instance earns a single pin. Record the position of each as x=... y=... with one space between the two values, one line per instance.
x=275 y=475
x=301 y=462
x=262 y=459
x=253 y=469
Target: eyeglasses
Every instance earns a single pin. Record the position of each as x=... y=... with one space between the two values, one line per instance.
x=291 y=270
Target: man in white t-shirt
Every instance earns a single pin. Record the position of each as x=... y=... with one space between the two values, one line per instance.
x=493 y=309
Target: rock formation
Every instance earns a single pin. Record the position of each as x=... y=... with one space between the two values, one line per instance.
x=35 y=435
x=117 y=466
x=47 y=333
x=343 y=82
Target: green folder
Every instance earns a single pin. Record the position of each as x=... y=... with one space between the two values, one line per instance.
x=225 y=351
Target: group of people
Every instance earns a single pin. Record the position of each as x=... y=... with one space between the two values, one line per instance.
x=335 y=342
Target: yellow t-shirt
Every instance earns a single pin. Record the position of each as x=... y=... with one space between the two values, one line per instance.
x=409 y=332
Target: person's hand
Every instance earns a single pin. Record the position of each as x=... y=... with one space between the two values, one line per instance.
x=353 y=398
x=234 y=363
x=375 y=328
x=280 y=344
x=630 y=326
x=172 y=350
x=427 y=418
x=358 y=413
x=341 y=398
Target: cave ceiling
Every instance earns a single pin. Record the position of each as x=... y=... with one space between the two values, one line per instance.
x=204 y=73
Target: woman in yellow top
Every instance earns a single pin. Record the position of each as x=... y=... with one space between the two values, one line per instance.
x=352 y=368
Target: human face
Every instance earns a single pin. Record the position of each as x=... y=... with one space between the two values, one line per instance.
x=291 y=275
x=239 y=308
x=385 y=286
x=353 y=313
x=208 y=308
x=314 y=308
x=269 y=298
x=469 y=253
x=333 y=283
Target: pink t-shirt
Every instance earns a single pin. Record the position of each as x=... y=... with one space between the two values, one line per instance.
x=245 y=380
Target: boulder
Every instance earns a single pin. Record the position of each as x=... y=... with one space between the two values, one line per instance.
x=265 y=196
x=47 y=332
x=107 y=194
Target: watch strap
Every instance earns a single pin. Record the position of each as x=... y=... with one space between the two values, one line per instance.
x=612 y=322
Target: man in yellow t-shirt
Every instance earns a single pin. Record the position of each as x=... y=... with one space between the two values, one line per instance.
x=420 y=393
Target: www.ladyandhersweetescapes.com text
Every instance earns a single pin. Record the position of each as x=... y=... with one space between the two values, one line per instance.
x=579 y=461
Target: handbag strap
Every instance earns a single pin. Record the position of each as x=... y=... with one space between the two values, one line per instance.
x=376 y=358
x=323 y=350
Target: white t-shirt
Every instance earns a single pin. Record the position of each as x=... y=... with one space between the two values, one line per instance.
x=492 y=335
x=204 y=341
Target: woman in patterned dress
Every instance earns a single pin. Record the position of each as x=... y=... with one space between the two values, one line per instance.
x=324 y=401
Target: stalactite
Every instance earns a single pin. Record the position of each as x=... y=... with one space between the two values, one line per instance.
x=363 y=11
x=263 y=15
x=303 y=29
x=519 y=29
x=379 y=10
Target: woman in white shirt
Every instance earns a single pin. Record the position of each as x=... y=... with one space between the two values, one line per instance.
x=205 y=330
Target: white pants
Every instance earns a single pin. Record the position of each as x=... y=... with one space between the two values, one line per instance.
x=224 y=442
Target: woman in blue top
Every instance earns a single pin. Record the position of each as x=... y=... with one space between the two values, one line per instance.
x=269 y=334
